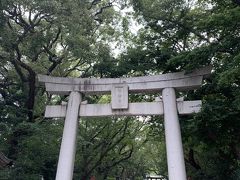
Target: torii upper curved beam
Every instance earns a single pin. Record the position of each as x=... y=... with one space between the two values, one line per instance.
x=178 y=80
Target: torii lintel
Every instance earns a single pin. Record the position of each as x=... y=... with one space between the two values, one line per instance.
x=179 y=81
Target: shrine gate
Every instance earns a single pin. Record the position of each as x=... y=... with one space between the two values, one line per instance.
x=119 y=88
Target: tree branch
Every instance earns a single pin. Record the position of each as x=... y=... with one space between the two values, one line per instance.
x=50 y=45
x=94 y=2
x=100 y=11
x=191 y=160
x=31 y=83
x=107 y=147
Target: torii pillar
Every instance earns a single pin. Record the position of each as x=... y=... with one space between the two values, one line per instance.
x=175 y=157
x=68 y=146
x=119 y=89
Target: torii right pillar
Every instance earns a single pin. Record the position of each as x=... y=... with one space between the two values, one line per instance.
x=175 y=156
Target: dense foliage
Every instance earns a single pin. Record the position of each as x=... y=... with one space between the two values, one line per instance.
x=80 y=38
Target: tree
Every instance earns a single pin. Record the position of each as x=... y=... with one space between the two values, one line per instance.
x=74 y=38
x=57 y=38
x=104 y=145
x=179 y=36
x=54 y=38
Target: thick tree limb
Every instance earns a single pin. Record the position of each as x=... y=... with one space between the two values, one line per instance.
x=100 y=11
x=93 y=3
x=192 y=160
x=31 y=82
x=19 y=71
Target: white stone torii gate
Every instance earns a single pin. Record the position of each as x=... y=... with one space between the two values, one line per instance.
x=169 y=106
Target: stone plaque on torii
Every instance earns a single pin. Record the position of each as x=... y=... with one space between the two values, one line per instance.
x=119 y=88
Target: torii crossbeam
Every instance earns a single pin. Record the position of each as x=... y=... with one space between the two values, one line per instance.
x=119 y=88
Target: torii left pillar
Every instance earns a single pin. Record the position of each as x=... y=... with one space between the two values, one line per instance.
x=68 y=146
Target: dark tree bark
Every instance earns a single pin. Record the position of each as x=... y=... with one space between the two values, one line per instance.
x=192 y=160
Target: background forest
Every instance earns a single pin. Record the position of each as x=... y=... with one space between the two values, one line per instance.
x=119 y=38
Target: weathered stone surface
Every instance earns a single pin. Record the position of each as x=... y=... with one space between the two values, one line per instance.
x=68 y=145
x=135 y=109
x=119 y=96
x=179 y=81
x=175 y=156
